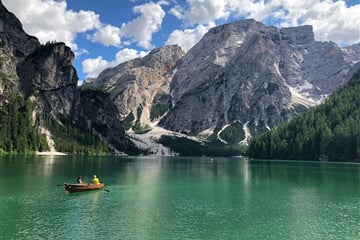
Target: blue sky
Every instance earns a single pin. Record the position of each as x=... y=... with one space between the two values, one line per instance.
x=104 y=33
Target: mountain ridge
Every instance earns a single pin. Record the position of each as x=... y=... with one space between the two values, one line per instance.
x=241 y=76
x=328 y=132
x=285 y=64
x=240 y=79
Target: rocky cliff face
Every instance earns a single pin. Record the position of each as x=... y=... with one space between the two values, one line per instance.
x=134 y=85
x=258 y=76
x=15 y=45
x=8 y=78
x=17 y=42
x=44 y=73
x=48 y=73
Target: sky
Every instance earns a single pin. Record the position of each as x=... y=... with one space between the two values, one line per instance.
x=105 y=33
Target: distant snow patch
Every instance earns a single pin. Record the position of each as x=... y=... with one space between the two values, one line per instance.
x=148 y=140
x=247 y=134
x=298 y=98
x=218 y=134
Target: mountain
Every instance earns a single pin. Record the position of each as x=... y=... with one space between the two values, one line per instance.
x=328 y=132
x=42 y=107
x=241 y=79
x=15 y=45
x=251 y=77
x=140 y=87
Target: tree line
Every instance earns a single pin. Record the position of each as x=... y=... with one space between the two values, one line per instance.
x=70 y=138
x=328 y=132
x=19 y=134
x=17 y=131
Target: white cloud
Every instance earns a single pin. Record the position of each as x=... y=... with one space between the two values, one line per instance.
x=331 y=19
x=163 y=2
x=94 y=66
x=49 y=20
x=139 y=30
x=128 y=54
x=142 y=28
x=107 y=35
x=177 y=11
x=207 y=11
x=188 y=37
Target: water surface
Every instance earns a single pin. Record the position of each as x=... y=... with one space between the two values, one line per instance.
x=179 y=198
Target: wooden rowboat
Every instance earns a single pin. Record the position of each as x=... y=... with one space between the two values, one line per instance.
x=71 y=187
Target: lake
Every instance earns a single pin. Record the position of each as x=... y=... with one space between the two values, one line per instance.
x=178 y=198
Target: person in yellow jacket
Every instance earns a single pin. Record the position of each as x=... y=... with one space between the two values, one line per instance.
x=95 y=180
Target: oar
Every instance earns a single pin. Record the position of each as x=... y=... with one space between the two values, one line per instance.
x=106 y=190
x=59 y=185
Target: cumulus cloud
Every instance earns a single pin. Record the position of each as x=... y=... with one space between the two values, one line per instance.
x=143 y=27
x=92 y=67
x=207 y=11
x=108 y=35
x=331 y=20
x=139 y=30
x=188 y=37
x=49 y=20
x=177 y=11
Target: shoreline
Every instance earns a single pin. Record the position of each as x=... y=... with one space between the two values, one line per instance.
x=51 y=153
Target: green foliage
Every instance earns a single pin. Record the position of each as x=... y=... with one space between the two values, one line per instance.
x=128 y=121
x=234 y=133
x=72 y=139
x=330 y=131
x=141 y=129
x=137 y=127
x=3 y=76
x=187 y=147
x=17 y=132
x=300 y=109
x=98 y=91
x=163 y=103
x=2 y=43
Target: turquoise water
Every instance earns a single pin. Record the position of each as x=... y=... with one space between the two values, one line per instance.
x=179 y=198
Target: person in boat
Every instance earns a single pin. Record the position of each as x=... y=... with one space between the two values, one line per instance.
x=95 y=180
x=79 y=180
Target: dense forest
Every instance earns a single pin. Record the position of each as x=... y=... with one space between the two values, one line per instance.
x=69 y=138
x=17 y=131
x=329 y=132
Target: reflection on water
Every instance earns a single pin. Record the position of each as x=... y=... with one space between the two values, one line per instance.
x=178 y=198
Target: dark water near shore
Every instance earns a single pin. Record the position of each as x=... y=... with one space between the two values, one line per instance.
x=179 y=198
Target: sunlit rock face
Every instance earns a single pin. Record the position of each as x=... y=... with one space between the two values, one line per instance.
x=15 y=45
x=13 y=38
x=251 y=73
x=134 y=85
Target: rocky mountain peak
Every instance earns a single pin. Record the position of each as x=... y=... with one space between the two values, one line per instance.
x=301 y=35
x=49 y=71
x=133 y=85
x=13 y=36
x=45 y=75
x=255 y=76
